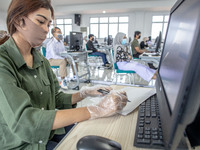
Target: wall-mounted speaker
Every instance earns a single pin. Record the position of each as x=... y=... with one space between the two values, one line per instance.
x=77 y=18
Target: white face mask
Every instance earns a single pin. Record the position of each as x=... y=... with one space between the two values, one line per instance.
x=60 y=37
x=33 y=33
x=124 y=41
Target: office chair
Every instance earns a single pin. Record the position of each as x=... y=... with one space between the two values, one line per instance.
x=117 y=71
x=56 y=68
x=95 y=59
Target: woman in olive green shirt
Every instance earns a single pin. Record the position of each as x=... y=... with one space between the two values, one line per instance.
x=31 y=107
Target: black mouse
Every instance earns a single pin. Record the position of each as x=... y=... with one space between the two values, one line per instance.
x=93 y=142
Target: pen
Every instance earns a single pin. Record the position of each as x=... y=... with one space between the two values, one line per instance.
x=106 y=92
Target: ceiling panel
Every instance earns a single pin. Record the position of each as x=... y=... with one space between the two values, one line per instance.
x=75 y=2
x=68 y=7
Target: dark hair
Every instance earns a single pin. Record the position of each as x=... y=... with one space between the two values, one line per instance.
x=20 y=8
x=4 y=39
x=90 y=35
x=53 y=30
x=137 y=33
x=149 y=38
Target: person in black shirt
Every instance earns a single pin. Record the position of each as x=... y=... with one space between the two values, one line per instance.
x=90 y=46
x=144 y=43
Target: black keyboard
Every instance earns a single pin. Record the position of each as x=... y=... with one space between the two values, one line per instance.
x=148 y=130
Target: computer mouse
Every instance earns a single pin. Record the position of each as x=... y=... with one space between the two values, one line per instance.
x=93 y=142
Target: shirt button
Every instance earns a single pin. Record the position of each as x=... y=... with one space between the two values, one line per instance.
x=35 y=76
x=42 y=108
x=41 y=93
x=40 y=141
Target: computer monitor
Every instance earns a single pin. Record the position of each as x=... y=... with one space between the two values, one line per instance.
x=178 y=83
x=158 y=42
x=110 y=40
x=105 y=40
x=66 y=39
x=129 y=40
x=76 y=41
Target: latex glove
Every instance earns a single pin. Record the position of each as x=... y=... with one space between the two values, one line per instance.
x=110 y=104
x=92 y=91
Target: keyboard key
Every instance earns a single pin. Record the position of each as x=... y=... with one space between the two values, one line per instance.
x=157 y=142
x=143 y=141
x=155 y=137
x=141 y=114
x=142 y=121
x=141 y=125
x=147 y=132
x=154 y=129
x=140 y=136
x=147 y=129
x=154 y=114
x=140 y=131
x=147 y=136
x=147 y=122
x=154 y=132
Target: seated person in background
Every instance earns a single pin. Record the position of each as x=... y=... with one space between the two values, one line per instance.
x=53 y=48
x=144 y=43
x=90 y=46
x=85 y=40
x=124 y=60
x=136 y=46
x=149 y=42
x=3 y=36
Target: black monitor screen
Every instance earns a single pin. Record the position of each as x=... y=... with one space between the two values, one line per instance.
x=110 y=40
x=76 y=41
x=66 y=40
x=178 y=46
x=158 y=42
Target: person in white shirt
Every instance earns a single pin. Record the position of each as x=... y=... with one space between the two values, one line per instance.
x=53 y=48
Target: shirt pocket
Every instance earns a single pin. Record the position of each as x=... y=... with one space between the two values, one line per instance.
x=46 y=87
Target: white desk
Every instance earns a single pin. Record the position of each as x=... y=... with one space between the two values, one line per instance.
x=150 y=58
x=118 y=128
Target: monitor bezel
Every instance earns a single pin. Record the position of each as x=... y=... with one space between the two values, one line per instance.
x=174 y=123
x=70 y=40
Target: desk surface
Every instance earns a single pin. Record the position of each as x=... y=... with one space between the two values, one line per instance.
x=118 y=128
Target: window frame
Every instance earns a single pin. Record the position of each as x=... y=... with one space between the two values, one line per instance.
x=162 y=22
x=63 y=24
x=108 y=23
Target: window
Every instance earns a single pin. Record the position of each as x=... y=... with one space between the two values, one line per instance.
x=65 y=26
x=101 y=27
x=159 y=23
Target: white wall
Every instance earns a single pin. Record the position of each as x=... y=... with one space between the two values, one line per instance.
x=3 y=20
x=141 y=21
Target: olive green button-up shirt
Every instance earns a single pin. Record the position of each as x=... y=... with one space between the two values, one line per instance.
x=28 y=99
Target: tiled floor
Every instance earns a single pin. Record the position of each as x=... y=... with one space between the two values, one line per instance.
x=104 y=76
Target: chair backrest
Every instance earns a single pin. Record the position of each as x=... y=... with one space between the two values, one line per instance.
x=44 y=51
x=115 y=66
x=86 y=47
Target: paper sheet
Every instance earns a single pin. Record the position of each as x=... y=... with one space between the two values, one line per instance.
x=136 y=96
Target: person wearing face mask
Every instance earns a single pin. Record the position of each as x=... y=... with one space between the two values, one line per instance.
x=53 y=48
x=123 y=58
x=144 y=43
x=34 y=113
x=90 y=46
x=136 y=49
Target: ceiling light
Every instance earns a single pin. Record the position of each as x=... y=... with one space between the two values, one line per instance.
x=104 y=12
